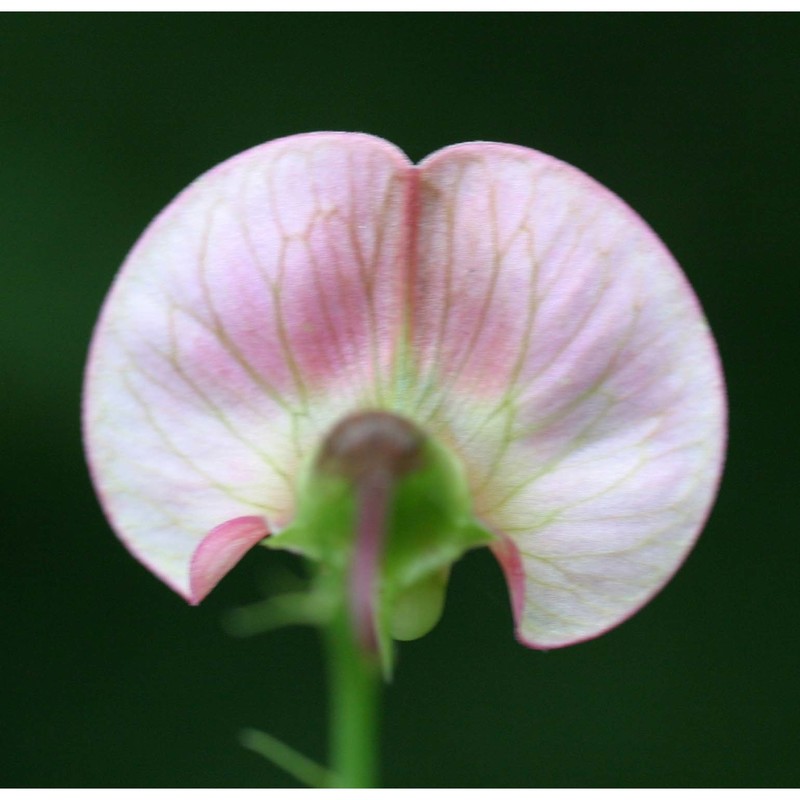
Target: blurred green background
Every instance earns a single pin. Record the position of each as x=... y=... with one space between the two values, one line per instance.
x=109 y=679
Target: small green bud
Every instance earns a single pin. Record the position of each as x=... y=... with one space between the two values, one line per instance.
x=383 y=511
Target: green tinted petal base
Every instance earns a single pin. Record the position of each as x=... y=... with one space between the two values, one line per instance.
x=428 y=526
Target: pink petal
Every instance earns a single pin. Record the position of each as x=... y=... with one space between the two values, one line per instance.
x=259 y=308
x=220 y=552
x=575 y=374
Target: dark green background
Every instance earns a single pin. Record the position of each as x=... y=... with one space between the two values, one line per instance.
x=109 y=679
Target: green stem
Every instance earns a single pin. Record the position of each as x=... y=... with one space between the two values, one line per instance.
x=354 y=691
x=287 y=758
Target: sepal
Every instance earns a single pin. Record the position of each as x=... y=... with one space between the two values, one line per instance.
x=429 y=526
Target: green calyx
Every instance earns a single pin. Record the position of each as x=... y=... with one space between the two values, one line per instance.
x=419 y=491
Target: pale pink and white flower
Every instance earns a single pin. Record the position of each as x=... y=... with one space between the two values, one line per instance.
x=508 y=304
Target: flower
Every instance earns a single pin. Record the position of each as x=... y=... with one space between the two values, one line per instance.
x=509 y=307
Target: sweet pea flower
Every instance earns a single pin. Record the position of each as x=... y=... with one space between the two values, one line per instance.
x=378 y=365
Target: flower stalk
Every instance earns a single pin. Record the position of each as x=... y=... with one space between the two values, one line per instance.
x=355 y=688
